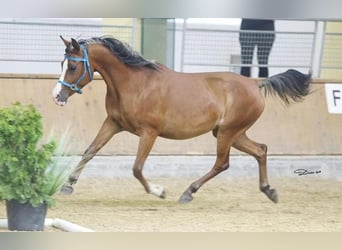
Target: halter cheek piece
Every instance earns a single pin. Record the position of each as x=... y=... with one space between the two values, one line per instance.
x=86 y=64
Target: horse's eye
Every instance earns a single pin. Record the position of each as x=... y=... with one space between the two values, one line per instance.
x=72 y=67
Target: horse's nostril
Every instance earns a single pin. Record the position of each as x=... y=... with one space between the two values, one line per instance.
x=56 y=97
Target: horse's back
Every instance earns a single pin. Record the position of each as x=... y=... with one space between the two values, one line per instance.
x=220 y=87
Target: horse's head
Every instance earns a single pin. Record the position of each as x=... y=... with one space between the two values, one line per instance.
x=76 y=72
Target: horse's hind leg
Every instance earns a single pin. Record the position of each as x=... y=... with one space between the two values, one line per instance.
x=221 y=164
x=108 y=129
x=259 y=151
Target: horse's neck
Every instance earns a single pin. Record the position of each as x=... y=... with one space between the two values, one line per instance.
x=113 y=72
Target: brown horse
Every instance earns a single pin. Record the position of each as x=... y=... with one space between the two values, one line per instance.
x=150 y=100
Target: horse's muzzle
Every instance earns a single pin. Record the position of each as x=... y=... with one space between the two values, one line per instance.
x=59 y=100
x=59 y=96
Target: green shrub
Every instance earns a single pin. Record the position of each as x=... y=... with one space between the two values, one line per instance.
x=28 y=171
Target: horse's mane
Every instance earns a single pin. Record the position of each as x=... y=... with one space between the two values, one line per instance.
x=122 y=51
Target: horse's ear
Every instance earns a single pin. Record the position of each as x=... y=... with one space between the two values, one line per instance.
x=66 y=42
x=75 y=44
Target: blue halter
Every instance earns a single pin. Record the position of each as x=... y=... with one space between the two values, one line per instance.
x=86 y=64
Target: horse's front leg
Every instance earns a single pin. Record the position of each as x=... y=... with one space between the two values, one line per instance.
x=147 y=139
x=108 y=129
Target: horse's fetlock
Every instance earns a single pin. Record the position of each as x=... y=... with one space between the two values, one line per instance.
x=264 y=189
x=194 y=187
x=72 y=180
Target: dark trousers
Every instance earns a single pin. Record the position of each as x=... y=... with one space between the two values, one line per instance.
x=263 y=42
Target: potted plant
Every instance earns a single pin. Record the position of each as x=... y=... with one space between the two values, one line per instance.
x=30 y=173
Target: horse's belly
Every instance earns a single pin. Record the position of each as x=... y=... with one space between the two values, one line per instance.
x=186 y=129
x=181 y=136
x=191 y=120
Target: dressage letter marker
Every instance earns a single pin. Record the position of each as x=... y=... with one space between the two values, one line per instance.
x=333 y=93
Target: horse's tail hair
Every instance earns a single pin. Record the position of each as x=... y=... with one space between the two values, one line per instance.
x=291 y=85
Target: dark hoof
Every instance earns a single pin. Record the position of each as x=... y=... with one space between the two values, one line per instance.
x=163 y=195
x=272 y=195
x=185 y=198
x=67 y=189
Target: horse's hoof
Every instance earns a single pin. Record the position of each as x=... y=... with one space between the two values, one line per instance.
x=272 y=195
x=162 y=195
x=67 y=189
x=185 y=198
x=157 y=191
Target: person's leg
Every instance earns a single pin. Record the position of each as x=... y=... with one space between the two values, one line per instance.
x=265 y=43
x=247 y=48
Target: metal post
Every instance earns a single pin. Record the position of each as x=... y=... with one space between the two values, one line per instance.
x=317 y=48
x=134 y=33
x=183 y=45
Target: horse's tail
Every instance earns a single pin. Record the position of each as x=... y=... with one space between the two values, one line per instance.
x=291 y=85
